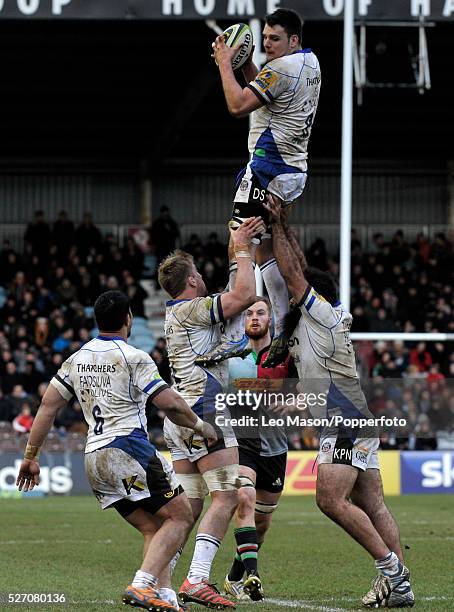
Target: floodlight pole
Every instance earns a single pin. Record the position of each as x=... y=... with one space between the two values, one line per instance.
x=347 y=139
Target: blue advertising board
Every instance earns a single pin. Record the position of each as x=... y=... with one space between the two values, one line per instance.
x=61 y=474
x=427 y=472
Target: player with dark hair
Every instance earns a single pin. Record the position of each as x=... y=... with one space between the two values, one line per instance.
x=262 y=453
x=112 y=381
x=282 y=100
x=111 y=310
x=289 y=20
x=349 y=486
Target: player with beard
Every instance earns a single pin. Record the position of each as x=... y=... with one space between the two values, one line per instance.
x=262 y=453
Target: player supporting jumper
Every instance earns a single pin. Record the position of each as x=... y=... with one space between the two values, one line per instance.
x=112 y=382
x=282 y=100
x=192 y=327
x=263 y=456
x=349 y=485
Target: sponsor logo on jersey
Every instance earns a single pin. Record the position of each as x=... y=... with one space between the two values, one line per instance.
x=258 y=384
x=169 y=494
x=265 y=79
x=208 y=303
x=317 y=295
x=315 y=81
x=326 y=447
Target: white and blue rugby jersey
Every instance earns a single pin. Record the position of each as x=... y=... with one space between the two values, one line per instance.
x=112 y=382
x=324 y=356
x=289 y=88
x=193 y=328
x=320 y=344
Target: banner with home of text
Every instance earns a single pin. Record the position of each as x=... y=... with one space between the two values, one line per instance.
x=228 y=10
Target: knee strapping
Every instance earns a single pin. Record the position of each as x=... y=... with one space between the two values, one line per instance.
x=245 y=481
x=223 y=478
x=194 y=485
x=263 y=508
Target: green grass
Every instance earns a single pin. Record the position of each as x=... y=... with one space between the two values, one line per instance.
x=69 y=545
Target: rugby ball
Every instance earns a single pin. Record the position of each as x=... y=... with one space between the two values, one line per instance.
x=239 y=34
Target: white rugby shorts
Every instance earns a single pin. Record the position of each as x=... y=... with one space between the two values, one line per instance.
x=360 y=453
x=183 y=443
x=129 y=468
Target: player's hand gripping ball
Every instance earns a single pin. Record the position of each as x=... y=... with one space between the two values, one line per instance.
x=239 y=36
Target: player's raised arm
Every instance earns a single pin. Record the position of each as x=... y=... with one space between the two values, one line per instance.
x=294 y=244
x=243 y=294
x=240 y=101
x=29 y=470
x=286 y=257
x=177 y=410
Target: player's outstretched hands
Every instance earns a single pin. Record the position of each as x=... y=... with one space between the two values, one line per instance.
x=28 y=475
x=247 y=230
x=273 y=205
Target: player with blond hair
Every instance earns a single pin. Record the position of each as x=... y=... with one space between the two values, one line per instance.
x=193 y=326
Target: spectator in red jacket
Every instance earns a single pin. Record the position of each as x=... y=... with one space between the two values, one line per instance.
x=24 y=420
x=420 y=357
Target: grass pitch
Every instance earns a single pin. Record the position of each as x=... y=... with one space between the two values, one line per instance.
x=68 y=545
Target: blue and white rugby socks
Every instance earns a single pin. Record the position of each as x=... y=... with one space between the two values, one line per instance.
x=206 y=547
x=277 y=292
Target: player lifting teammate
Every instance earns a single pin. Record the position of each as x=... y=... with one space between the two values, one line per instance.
x=112 y=382
x=349 y=486
x=282 y=100
x=192 y=327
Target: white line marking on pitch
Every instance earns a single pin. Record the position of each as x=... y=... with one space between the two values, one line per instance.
x=352 y=599
x=283 y=603
x=298 y=603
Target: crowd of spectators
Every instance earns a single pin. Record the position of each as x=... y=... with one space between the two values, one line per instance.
x=48 y=291
x=50 y=286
